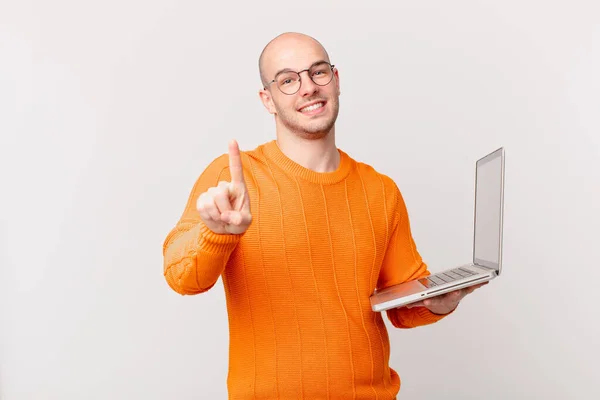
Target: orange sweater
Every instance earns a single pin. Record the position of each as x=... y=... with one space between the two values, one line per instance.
x=298 y=282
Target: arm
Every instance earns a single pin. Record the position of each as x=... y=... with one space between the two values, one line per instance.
x=402 y=262
x=194 y=256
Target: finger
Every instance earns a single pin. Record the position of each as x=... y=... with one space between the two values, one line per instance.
x=235 y=163
x=438 y=300
x=442 y=302
x=231 y=217
x=473 y=288
x=417 y=304
x=210 y=208
x=236 y=218
x=202 y=207
x=470 y=290
x=443 y=299
x=221 y=197
x=203 y=214
x=432 y=301
x=457 y=296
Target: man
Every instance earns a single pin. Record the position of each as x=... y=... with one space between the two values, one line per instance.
x=301 y=235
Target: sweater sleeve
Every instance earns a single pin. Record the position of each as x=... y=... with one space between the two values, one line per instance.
x=193 y=256
x=402 y=262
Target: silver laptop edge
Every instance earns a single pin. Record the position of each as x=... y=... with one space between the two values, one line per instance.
x=483 y=270
x=499 y=153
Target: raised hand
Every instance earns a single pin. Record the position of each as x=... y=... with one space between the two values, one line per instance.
x=225 y=208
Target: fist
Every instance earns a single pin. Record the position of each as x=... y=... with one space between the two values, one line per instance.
x=225 y=208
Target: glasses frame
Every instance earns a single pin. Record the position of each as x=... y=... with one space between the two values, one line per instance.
x=331 y=66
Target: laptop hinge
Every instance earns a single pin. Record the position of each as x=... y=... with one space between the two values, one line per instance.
x=484 y=267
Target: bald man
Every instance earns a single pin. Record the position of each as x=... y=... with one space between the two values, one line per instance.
x=301 y=235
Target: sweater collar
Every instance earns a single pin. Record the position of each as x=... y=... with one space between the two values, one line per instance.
x=274 y=154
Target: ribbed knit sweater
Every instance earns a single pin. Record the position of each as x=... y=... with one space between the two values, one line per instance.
x=298 y=281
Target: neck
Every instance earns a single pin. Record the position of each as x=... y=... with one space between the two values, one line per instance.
x=319 y=155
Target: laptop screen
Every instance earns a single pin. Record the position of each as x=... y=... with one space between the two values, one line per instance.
x=488 y=210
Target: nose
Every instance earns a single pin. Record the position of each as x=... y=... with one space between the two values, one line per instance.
x=307 y=87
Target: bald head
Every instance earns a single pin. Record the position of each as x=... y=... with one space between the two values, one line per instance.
x=288 y=47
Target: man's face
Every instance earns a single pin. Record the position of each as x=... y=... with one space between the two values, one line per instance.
x=312 y=110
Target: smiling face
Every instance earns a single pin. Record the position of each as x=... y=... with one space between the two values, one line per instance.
x=311 y=110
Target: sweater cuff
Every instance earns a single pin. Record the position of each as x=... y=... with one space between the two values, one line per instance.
x=215 y=243
x=423 y=314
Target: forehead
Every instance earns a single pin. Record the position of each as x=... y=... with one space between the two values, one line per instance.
x=294 y=54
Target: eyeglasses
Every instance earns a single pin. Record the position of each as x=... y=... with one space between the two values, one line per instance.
x=289 y=82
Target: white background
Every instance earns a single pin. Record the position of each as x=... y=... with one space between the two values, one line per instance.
x=109 y=111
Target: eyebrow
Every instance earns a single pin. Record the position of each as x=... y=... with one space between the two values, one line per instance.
x=289 y=69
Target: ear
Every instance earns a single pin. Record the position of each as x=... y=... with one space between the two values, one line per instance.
x=267 y=100
x=336 y=74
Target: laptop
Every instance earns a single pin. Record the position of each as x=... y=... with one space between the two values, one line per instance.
x=487 y=244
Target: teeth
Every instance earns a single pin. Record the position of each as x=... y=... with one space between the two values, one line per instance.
x=313 y=107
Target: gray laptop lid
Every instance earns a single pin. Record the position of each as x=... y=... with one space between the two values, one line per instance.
x=489 y=210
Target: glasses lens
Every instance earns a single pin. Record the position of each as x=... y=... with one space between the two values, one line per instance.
x=321 y=74
x=288 y=82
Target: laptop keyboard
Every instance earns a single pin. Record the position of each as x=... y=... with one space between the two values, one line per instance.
x=446 y=277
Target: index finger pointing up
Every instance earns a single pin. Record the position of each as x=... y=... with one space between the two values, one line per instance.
x=235 y=163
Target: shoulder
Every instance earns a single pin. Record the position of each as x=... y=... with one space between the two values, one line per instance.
x=384 y=185
x=375 y=178
x=215 y=168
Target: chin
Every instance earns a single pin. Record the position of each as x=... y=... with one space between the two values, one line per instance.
x=318 y=128
x=314 y=132
x=313 y=135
